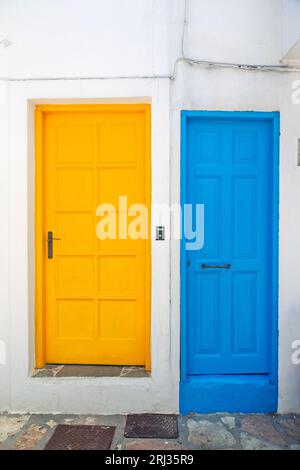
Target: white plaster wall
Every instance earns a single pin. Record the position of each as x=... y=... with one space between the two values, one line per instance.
x=215 y=89
x=74 y=38
x=117 y=38
x=289 y=253
x=290 y=24
x=80 y=395
x=247 y=32
x=4 y=261
x=235 y=31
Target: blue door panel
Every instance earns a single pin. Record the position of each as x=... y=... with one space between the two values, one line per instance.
x=229 y=169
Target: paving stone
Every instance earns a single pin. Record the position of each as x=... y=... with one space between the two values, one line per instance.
x=50 y=370
x=262 y=428
x=134 y=372
x=229 y=421
x=51 y=424
x=204 y=431
x=11 y=425
x=68 y=420
x=43 y=373
x=89 y=371
x=252 y=443
x=292 y=427
x=113 y=420
x=209 y=435
x=55 y=370
x=90 y=420
x=30 y=438
x=153 y=444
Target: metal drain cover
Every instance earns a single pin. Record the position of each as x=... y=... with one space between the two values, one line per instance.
x=72 y=437
x=152 y=426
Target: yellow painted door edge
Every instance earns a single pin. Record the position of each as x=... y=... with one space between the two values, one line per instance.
x=40 y=242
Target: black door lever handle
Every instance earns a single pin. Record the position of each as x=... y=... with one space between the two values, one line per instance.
x=50 y=239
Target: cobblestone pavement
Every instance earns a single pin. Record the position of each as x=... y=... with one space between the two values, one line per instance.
x=218 y=431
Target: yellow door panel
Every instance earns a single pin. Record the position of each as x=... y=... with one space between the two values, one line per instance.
x=93 y=296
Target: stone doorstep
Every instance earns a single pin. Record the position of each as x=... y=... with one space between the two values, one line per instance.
x=68 y=370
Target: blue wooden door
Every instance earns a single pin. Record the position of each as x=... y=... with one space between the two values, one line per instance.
x=228 y=282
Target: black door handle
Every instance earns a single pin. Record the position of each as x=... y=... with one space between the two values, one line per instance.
x=50 y=244
x=216 y=266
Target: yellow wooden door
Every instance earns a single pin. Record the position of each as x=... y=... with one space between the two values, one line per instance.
x=96 y=292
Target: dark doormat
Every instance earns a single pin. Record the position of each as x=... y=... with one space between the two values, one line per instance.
x=152 y=426
x=72 y=437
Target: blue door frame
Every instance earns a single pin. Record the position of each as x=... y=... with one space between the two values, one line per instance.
x=205 y=393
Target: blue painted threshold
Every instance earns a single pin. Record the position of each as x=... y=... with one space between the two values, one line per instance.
x=232 y=394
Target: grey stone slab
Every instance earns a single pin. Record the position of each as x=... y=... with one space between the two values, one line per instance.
x=31 y=438
x=89 y=371
x=261 y=427
x=134 y=372
x=252 y=443
x=50 y=370
x=56 y=370
x=153 y=444
x=206 y=434
x=229 y=421
x=43 y=373
x=11 y=425
x=215 y=431
x=291 y=426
